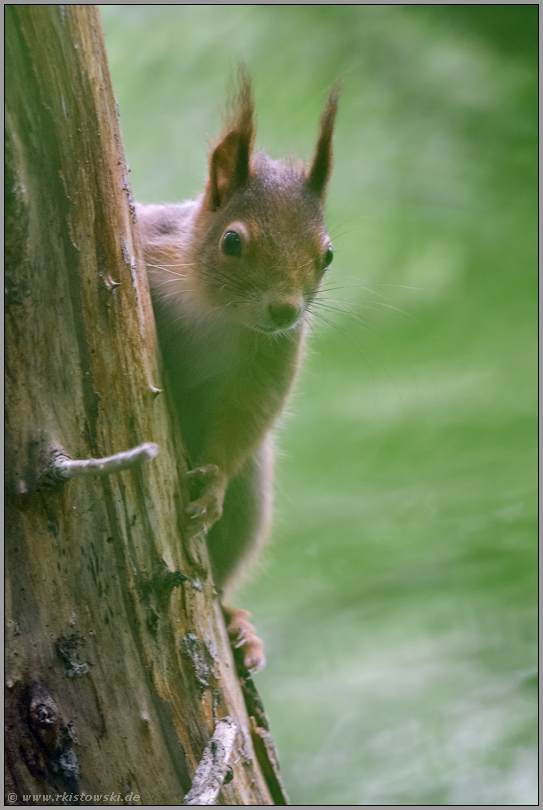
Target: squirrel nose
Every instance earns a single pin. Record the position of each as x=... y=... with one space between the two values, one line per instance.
x=283 y=315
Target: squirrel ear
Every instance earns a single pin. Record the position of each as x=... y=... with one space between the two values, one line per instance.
x=228 y=168
x=321 y=167
x=229 y=165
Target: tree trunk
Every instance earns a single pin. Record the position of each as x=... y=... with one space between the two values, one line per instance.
x=118 y=666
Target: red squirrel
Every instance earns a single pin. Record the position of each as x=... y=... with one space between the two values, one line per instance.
x=232 y=276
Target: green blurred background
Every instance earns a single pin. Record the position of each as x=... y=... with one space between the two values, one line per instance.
x=398 y=598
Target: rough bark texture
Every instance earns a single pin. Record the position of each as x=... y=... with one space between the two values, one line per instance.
x=118 y=666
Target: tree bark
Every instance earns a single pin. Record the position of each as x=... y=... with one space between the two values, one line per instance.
x=118 y=666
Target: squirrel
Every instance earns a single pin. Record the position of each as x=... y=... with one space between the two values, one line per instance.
x=232 y=276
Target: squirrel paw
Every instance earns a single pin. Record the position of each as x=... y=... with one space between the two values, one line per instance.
x=243 y=638
x=207 y=495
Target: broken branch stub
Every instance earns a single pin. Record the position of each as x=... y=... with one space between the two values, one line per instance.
x=60 y=468
x=211 y=772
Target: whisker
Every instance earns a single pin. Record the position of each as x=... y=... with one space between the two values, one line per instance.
x=175 y=294
x=377 y=337
x=397 y=309
x=326 y=288
x=345 y=222
x=165 y=266
x=335 y=236
x=154 y=269
x=402 y=287
x=361 y=322
x=346 y=336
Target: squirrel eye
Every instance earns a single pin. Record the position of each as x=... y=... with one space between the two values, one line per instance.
x=328 y=256
x=231 y=244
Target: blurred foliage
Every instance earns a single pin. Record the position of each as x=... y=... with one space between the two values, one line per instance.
x=398 y=599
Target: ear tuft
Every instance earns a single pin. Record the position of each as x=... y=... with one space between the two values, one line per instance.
x=321 y=167
x=229 y=164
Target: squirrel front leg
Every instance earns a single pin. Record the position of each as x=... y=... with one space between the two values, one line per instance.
x=219 y=458
x=207 y=488
x=208 y=482
x=236 y=428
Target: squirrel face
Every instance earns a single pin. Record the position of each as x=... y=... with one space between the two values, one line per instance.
x=260 y=244
x=268 y=249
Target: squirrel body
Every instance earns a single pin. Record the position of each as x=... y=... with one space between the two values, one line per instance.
x=232 y=276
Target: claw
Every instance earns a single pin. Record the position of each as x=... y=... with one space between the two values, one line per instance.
x=243 y=637
x=195 y=510
x=255 y=664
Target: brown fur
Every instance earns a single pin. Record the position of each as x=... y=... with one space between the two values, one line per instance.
x=231 y=325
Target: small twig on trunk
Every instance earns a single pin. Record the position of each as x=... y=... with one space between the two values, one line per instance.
x=211 y=772
x=61 y=468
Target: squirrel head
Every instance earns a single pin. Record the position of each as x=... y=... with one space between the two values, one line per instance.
x=260 y=242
